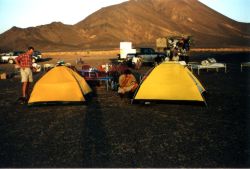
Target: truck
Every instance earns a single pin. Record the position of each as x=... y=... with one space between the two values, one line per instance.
x=148 y=55
x=11 y=56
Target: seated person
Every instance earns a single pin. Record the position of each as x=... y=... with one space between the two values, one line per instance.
x=127 y=83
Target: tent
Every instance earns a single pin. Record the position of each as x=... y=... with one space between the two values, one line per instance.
x=60 y=84
x=170 y=81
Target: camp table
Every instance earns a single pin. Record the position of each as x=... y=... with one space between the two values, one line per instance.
x=212 y=66
x=244 y=64
x=94 y=76
x=190 y=65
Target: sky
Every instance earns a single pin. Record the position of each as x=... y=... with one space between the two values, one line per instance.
x=28 y=13
x=235 y=9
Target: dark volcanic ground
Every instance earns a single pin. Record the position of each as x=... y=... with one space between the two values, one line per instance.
x=110 y=132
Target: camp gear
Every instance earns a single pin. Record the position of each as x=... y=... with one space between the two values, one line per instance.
x=207 y=64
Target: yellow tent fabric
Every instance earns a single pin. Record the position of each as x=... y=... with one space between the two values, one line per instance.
x=60 y=84
x=170 y=81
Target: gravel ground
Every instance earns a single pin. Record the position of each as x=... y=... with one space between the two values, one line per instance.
x=110 y=132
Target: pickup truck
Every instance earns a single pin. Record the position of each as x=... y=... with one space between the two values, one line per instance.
x=11 y=56
x=148 y=55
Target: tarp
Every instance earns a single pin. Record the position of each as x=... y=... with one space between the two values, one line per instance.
x=170 y=81
x=60 y=84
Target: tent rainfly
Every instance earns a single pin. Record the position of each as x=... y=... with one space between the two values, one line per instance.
x=170 y=81
x=60 y=84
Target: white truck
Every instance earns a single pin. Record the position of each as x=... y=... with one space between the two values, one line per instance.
x=11 y=56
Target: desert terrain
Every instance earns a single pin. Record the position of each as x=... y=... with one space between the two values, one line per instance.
x=108 y=131
x=140 y=22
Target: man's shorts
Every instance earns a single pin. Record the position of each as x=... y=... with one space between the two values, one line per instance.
x=26 y=75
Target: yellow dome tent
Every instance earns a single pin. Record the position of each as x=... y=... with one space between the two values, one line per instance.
x=60 y=84
x=170 y=81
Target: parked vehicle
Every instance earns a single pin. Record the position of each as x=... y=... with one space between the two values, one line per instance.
x=148 y=55
x=11 y=56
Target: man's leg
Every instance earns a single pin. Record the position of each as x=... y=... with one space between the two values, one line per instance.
x=24 y=89
x=27 y=89
x=29 y=80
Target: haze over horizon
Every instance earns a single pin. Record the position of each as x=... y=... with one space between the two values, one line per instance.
x=31 y=13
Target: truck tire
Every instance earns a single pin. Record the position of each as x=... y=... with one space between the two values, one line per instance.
x=11 y=61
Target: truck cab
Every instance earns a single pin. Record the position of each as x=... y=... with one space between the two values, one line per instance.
x=149 y=55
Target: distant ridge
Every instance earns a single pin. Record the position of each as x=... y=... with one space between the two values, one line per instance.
x=138 y=21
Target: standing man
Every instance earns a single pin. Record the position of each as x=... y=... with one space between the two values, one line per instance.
x=24 y=61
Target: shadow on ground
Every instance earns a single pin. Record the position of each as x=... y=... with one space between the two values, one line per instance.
x=110 y=132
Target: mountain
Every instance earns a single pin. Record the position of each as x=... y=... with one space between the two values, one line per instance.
x=53 y=37
x=138 y=21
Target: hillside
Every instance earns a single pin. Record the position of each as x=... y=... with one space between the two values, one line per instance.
x=139 y=21
x=53 y=37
